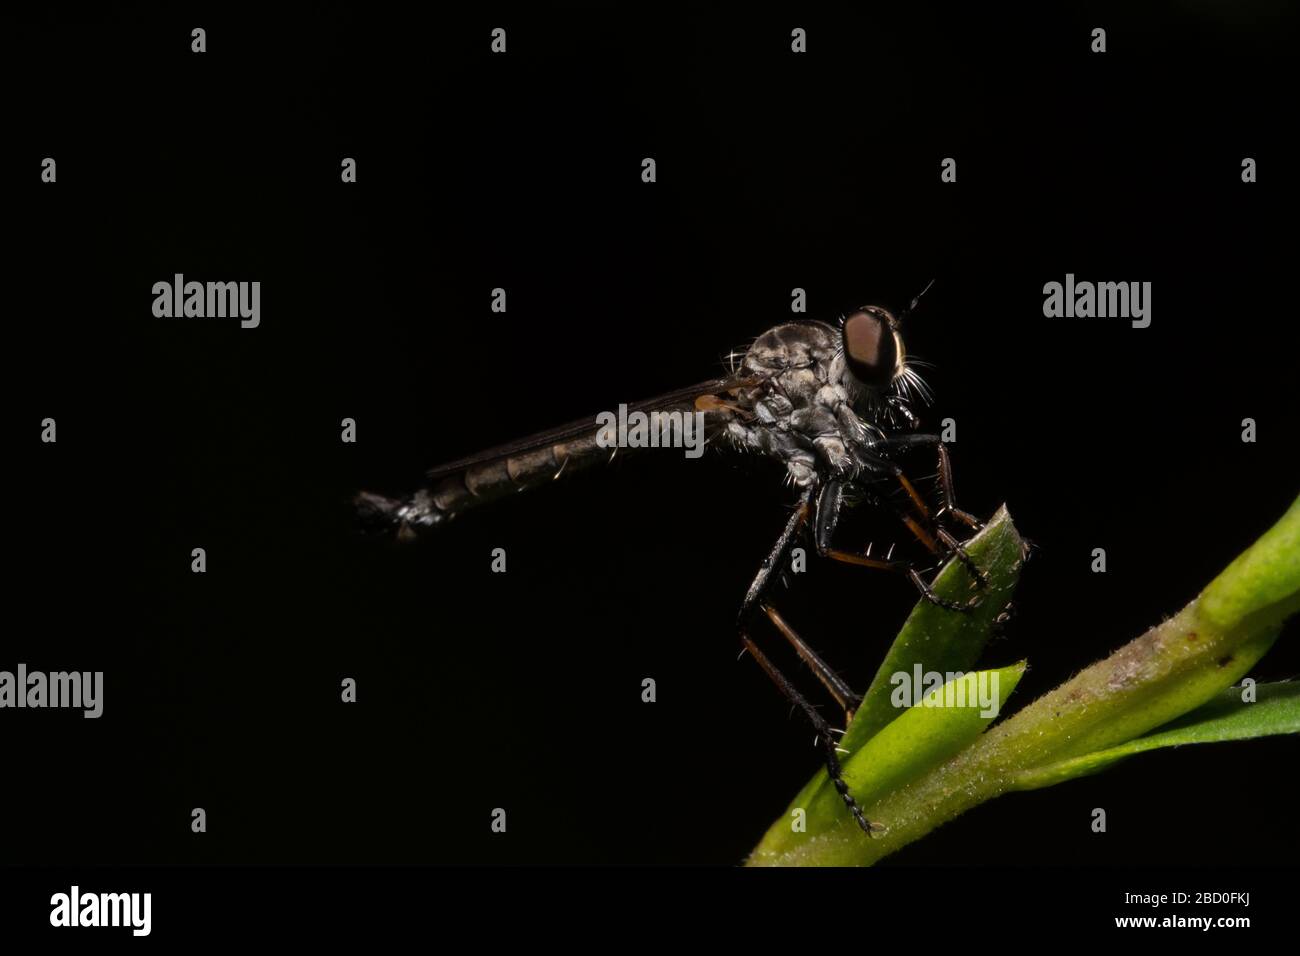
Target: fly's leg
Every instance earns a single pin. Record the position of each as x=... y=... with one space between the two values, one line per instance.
x=929 y=523
x=949 y=496
x=902 y=567
x=828 y=509
x=928 y=530
x=776 y=557
x=833 y=769
x=832 y=681
x=953 y=548
x=927 y=592
x=948 y=502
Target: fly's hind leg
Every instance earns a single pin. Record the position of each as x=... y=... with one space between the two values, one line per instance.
x=755 y=600
x=837 y=687
x=834 y=684
x=824 y=731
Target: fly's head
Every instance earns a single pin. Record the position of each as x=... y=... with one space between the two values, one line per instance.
x=875 y=364
x=873 y=347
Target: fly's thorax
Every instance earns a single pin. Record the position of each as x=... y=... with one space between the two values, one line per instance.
x=803 y=359
x=792 y=345
x=792 y=361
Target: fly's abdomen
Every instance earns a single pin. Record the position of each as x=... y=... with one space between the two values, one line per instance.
x=692 y=414
x=458 y=490
x=490 y=480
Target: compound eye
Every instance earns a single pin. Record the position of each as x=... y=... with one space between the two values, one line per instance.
x=870 y=348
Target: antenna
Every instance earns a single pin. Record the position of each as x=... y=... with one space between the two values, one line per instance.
x=915 y=301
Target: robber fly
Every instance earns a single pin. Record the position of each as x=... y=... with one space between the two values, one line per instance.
x=831 y=402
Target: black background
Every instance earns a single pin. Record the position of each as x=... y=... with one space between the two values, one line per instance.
x=775 y=171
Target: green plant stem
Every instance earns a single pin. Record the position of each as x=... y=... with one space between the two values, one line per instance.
x=1171 y=669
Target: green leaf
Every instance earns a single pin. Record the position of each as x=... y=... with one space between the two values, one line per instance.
x=935 y=639
x=1263 y=581
x=1176 y=671
x=1276 y=710
x=943 y=722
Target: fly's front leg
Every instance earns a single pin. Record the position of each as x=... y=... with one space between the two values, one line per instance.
x=828 y=509
x=949 y=496
x=930 y=523
x=954 y=549
x=927 y=529
x=906 y=568
x=948 y=502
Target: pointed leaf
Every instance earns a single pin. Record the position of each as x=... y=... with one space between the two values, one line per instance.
x=943 y=722
x=1168 y=673
x=1263 y=581
x=936 y=639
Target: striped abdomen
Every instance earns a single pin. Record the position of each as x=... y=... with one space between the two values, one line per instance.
x=491 y=475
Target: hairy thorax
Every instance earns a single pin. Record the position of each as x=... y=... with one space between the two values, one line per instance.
x=803 y=403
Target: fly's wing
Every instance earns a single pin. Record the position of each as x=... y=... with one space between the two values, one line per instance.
x=533 y=461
